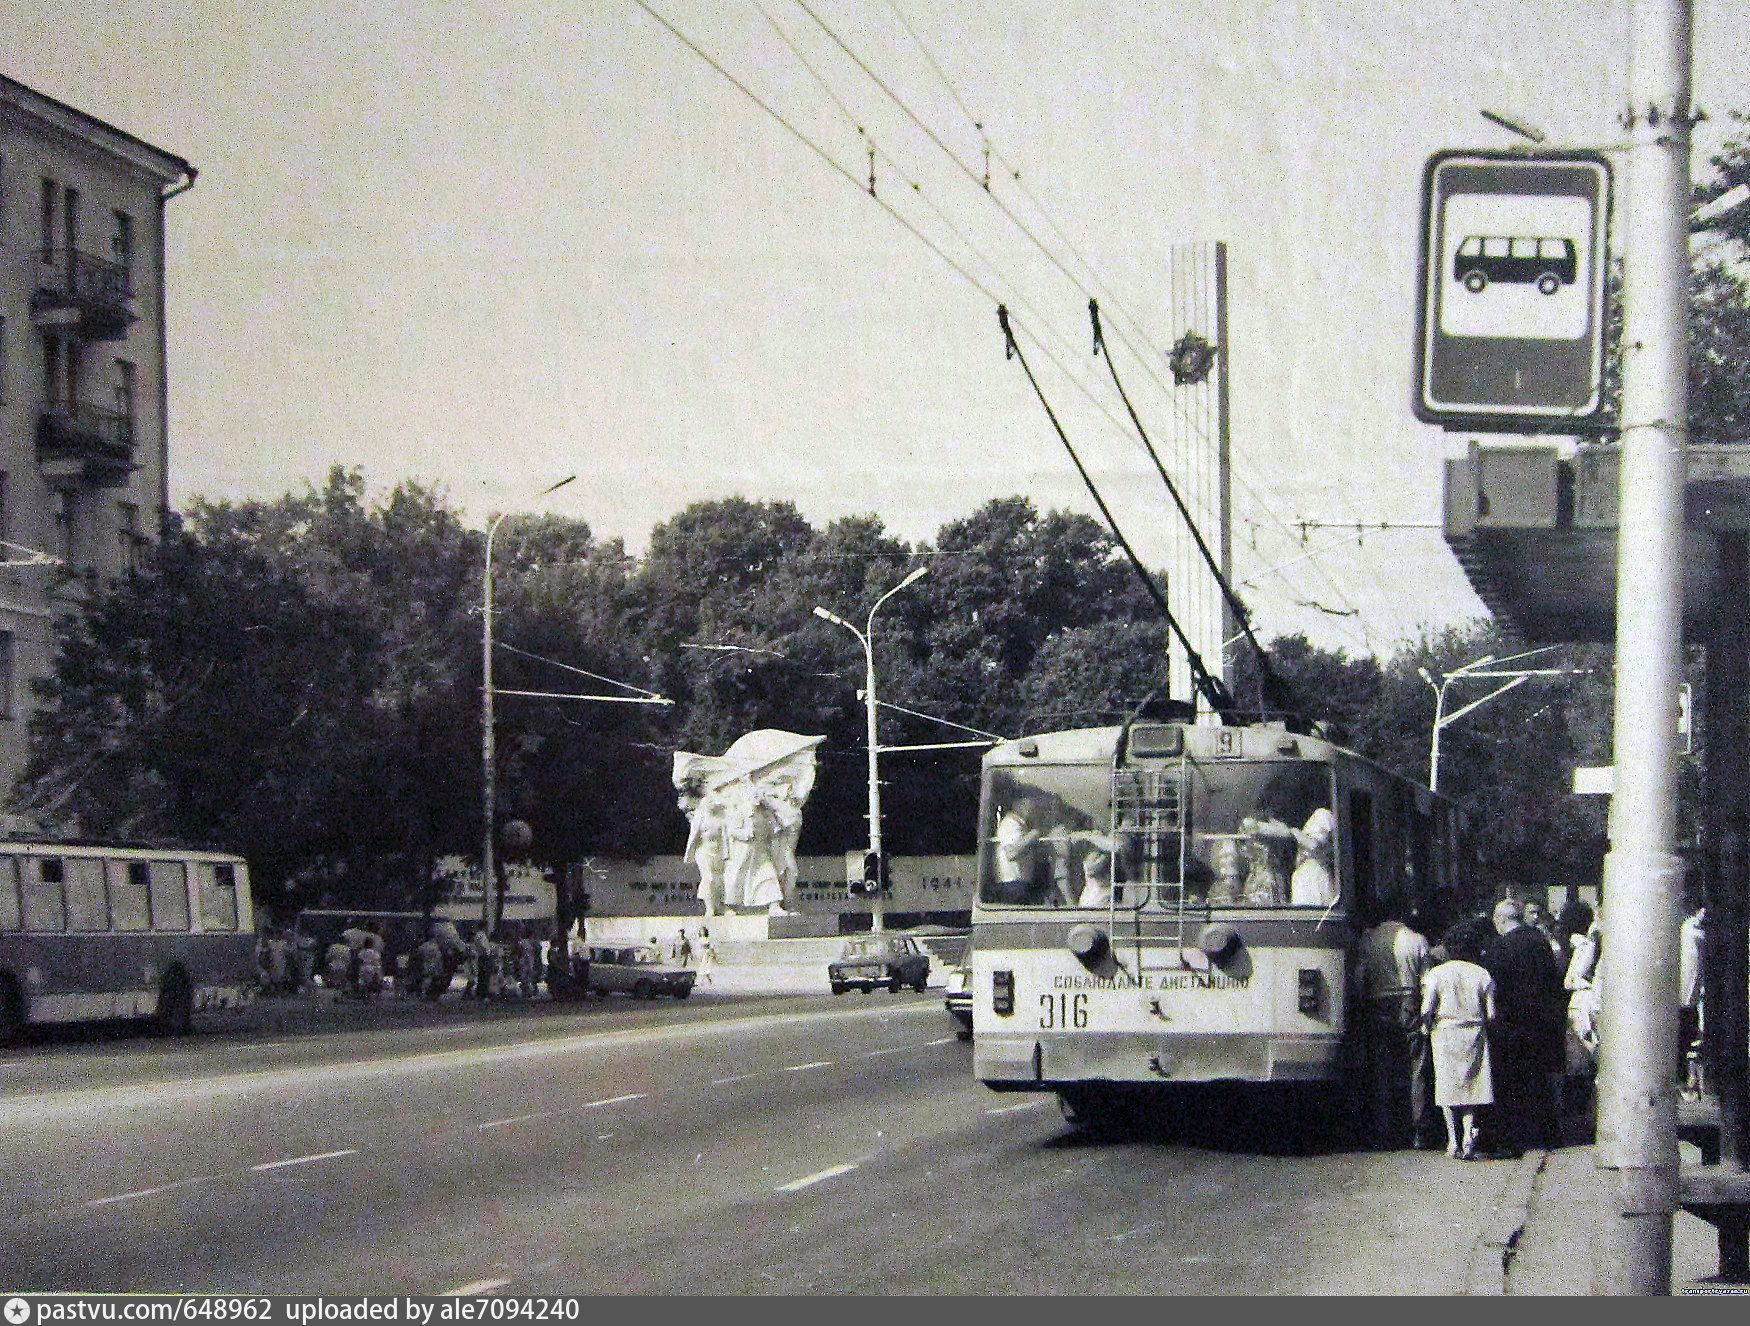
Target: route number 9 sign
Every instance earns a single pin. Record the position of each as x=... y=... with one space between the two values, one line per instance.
x=1510 y=295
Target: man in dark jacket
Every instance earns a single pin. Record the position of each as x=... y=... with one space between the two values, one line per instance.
x=1526 y=1037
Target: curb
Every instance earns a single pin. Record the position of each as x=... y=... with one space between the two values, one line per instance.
x=1491 y=1255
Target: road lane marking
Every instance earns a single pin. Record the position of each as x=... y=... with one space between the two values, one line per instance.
x=946 y=1040
x=895 y=1049
x=1010 y=1109
x=148 y=1192
x=798 y=1184
x=519 y=1118
x=803 y=1068
x=179 y=1093
x=474 y=1287
x=739 y=1077
x=612 y=1100
x=304 y=1160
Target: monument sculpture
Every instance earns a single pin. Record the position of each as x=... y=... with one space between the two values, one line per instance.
x=745 y=812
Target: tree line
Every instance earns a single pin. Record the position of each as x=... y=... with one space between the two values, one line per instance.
x=300 y=679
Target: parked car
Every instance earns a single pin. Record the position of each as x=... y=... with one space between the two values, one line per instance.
x=871 y=960
x=958 y=1000
x=639 y=972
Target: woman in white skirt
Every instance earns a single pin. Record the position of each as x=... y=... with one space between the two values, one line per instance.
x=1458 y=1003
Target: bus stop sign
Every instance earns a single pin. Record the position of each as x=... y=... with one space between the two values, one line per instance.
x=1510 y=295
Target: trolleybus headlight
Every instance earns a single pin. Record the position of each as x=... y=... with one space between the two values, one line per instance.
x=1088 y=943
x=1312 y=984
x=1002 y=993
x=1218 y=941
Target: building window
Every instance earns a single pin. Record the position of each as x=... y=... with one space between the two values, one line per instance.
x=122 y=242
x=126 y=376
x=128 y=535
x=63 y=504
x=5 y=674
x=70 y=221
x=48 y=218
x=52 y=392
x=5 y=516
x=2 y=361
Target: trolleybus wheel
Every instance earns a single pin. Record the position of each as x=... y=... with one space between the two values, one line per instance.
x=11 y=1012
x=893 y=985
x=644 y=990
x=839 y=987
x=176 y=1004
x=919 y=984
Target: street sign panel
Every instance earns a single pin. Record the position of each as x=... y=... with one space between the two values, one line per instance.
x=1510 y=296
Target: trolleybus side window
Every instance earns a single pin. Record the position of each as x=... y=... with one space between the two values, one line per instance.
x=45 y=901
x=87 y=904
x=10 y=916
x=1363 y=860
x=130 y=904
x=167 y=882
x=218 y=890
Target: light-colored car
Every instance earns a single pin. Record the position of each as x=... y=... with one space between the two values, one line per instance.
x=870 y=961
x=638 y=971
x=958 y=1000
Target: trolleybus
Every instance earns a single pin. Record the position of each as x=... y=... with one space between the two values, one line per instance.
x=91 y=931
x=1163 y=906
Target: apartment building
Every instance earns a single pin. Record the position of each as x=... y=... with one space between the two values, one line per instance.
x=83 y=442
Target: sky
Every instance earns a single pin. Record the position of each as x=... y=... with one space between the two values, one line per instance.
x=482 y=247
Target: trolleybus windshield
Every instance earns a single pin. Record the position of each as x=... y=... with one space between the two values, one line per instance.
x=1253 y=834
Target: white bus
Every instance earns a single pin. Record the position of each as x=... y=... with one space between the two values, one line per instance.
x=91 y=931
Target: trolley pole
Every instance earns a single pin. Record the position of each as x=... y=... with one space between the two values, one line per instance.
x=1636 y=1152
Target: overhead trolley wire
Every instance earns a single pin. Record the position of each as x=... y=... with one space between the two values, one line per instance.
x=968 y=171
x=928 y=243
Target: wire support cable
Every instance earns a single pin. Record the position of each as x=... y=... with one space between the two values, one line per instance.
x=582 y=672
x=958 y=268
x=1211 y=686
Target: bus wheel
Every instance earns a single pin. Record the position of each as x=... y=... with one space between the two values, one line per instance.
x=11 y=1012
x=176 y=1004
x=1548 y=283
x=1474 y=281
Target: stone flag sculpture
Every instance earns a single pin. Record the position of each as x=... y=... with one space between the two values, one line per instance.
x=745 y=808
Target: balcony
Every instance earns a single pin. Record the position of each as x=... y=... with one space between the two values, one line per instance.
x=81 y=445
x=81 y=295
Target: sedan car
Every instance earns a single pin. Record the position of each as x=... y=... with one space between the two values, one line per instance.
x=958 y=1000
x=873 y=960
x=639 y=972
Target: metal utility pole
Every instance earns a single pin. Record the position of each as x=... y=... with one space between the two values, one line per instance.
x=1636 y=1151
x=488 y=750
x=866 y=637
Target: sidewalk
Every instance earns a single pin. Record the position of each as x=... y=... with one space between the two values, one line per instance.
x=1543 y=1231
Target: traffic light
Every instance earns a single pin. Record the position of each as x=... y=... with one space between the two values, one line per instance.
x=875 y=878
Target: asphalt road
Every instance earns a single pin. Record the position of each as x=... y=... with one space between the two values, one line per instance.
x=767 y=1146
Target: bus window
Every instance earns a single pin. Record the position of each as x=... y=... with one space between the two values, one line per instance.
x=130 y=905
x=9 y=914
x=1366 y=865
x=168 y=885
x=218 y=890
x=45 y=902
x=87 y=904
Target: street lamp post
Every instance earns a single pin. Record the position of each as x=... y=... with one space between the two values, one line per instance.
x=878 y=905
x=1476 y=668
x=488 y=747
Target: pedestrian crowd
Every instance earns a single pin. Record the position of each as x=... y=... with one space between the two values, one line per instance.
x=520 y=965
x=1494 y=1031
